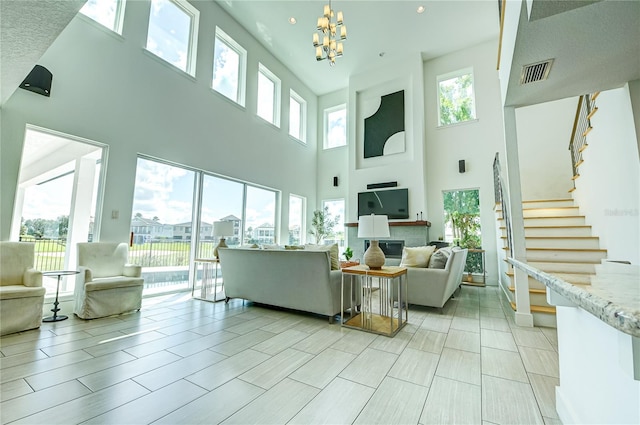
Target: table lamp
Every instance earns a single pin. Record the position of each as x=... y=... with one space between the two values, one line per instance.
x=222 y=229
x=373 y=227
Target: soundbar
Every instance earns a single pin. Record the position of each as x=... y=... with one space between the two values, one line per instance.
x=381 y=185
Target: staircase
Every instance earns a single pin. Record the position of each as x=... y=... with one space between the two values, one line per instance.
x=558 y=242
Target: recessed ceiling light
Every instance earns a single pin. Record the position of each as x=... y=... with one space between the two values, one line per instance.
x=292 y=20
x=420 y=9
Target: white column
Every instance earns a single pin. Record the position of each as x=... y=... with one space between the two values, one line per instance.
x=17 y=214
x=523 y=315
x=80 y=214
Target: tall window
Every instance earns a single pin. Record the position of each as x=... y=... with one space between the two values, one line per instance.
x=260 y=216
x=335 y=127
x=456 y=98
x=336 y=210
x=173 y=30
x=296 y=220
x=109 y=13
x=268 y=96
x=297 y=116
x=229 y=68
x=462 y=224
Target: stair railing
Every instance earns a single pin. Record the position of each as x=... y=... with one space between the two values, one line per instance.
x=581 y=128
x=502 y=198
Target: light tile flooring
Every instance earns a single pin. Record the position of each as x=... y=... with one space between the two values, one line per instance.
x=184 y=361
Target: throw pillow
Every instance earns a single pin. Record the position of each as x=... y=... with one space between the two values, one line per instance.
x=439 y=258
x=416 y=256
x=271 y=246
x=293 y=247
x=333 y=253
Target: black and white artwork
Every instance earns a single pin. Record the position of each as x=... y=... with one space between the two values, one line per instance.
x=384 y=130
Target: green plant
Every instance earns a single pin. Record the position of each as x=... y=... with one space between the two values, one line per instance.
x=348 y=253
x=322 y=224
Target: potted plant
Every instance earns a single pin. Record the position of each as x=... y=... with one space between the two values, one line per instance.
x=322 y=224
x=348 y=253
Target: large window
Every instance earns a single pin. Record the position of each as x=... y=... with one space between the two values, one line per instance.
x=268 y=96
x=260 y=216
x=229 y=68
x=335 y=127
x=456 y=99
x=109 y=13
x=297 y=213
x=462 y=224
x=297 y=116
x=173 y=30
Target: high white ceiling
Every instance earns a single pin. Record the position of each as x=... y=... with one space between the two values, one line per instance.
x=392 y=28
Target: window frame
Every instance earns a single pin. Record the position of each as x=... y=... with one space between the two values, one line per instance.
x=231 y=44
x=118 y=22
x=325 y=125
x=449 y=76
x=192 y=48
x=295 y=97
x=277 y=101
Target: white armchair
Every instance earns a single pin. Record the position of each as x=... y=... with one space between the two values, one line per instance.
x=21 y=291
x=106 y=285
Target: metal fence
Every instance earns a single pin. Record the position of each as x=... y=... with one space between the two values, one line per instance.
x=49 y=252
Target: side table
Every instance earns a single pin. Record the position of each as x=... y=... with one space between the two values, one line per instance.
x=391 y=313
x=209 y=286
x=55 y=309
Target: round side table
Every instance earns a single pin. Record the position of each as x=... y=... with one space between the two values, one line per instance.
x=55 y=309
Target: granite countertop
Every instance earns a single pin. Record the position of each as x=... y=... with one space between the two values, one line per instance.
x=613 y=295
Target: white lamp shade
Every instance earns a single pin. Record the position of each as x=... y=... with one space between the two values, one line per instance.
x=373 y=226
x=223 y=228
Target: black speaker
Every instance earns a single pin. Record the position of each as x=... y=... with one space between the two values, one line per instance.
x=461 y=166
x=381 y=185
x=38 y=81
x=335 y=181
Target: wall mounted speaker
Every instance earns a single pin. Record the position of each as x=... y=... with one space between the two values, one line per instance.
x=461 y=166
x=335 y=181
x=381 y=185
x=38 y=81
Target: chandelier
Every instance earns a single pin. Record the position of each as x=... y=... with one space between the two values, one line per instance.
x=331 y=30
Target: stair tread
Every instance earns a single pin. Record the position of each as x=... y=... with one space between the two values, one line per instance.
x=559 y=226
x=537 y=308
x=563 y=249
x=567 y=277
x=531 y=291
x=557 y=237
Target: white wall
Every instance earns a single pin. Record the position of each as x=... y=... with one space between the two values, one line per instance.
x=332 y=162
x=608 y=190
x=406 y=168
x=544 y=132
x=476 y=142
x=108 y=89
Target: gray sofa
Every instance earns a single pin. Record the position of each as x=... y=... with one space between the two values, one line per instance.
x=434 y=287
x=294 y=279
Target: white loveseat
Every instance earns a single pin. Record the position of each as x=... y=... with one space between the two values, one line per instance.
x=434 y=287
x=294 y=279
x=21 y=291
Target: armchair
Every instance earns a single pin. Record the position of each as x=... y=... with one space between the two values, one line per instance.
x=106 y=284
x=21 y=291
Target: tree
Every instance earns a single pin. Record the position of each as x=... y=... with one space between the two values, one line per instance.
x=456 y=102
x=63 y=226
x=138 y=215
x=322 y=224
x=462 y=209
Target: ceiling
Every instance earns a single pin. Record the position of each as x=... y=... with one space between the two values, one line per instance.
x=27 y=29
x=599 y=48
x=391 y=28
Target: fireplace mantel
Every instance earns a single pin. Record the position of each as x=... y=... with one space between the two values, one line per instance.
x=398 y=223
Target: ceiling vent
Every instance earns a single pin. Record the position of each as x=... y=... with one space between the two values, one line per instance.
x=533 y=72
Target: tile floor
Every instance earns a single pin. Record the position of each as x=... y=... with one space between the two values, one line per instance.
x=184 y=361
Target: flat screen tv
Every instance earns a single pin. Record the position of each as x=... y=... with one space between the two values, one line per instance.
x=393 y=203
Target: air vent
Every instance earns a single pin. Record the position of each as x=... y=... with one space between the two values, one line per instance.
x=533 y=72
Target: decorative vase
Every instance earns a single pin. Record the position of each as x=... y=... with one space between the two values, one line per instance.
x=374 y=257
x=221 y=244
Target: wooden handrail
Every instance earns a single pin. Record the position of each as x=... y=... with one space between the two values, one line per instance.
x=504 y=4
x=575 y=121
